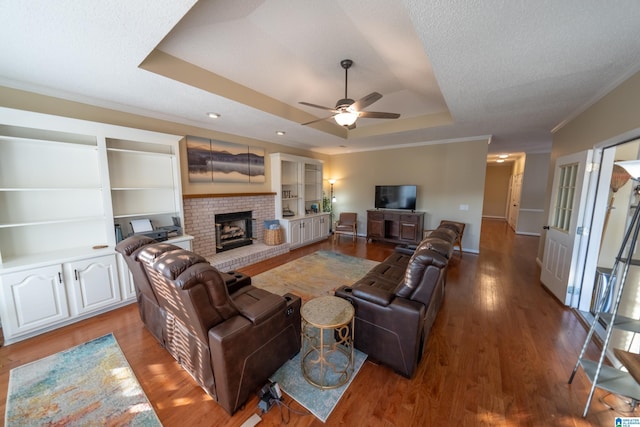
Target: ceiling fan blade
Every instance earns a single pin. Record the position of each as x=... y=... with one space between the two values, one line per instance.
x=318 y=120
x=308 y=104
x=364 y=102
x=377 y=115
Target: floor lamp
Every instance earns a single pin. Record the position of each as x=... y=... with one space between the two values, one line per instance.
x=332 y=199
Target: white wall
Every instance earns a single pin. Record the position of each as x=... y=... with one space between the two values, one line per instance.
x=448 y=176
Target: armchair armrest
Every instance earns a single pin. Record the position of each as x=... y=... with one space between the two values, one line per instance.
x=406 y=249
x=263 y=308
x=374 y=295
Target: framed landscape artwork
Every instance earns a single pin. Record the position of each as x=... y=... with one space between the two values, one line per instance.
x=218 y=161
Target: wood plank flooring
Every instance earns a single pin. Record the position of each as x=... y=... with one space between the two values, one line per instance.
x=500 y=354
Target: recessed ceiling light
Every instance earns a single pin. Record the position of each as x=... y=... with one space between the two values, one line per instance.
x=500 y=161
x=280 y=132
x=503 y=156
x=213 y=115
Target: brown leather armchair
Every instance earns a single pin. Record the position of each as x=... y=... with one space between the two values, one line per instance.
x=347 y=223
x=230 y=343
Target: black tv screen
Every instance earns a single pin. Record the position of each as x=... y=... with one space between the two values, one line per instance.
x=395 y=197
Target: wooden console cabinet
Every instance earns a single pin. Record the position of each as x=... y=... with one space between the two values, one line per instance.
x=395 y=226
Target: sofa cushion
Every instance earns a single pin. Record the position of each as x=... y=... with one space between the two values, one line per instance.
x=421 y=259
x=173 y=263
x=399 y=258
x=388 y=271
x=257 y=304
x=376 y=295
x=132 y=244
x=445 y=234
x=148 y=254
x=438 y=245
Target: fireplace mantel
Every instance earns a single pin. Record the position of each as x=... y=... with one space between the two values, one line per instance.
x=206 y=196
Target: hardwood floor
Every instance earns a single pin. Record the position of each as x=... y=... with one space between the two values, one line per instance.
x=500 y=354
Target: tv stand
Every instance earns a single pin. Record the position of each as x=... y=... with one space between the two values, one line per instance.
x=395 y=226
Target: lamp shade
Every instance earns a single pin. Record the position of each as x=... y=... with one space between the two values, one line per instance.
x=632 y=167
x=346 y=118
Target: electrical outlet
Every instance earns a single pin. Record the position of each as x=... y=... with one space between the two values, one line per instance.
x=464 y=207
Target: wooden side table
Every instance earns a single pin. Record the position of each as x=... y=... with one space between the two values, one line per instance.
x=327 y=341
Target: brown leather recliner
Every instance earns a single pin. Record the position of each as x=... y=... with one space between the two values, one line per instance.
x=396 y=304
x=229 y=343
x=152 y=315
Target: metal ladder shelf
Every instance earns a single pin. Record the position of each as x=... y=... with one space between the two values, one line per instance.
x=603 y=376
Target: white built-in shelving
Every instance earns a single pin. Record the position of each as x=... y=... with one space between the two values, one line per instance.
x=297 y=182
x=64 y=186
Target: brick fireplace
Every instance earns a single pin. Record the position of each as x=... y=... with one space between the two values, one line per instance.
x=200 y=212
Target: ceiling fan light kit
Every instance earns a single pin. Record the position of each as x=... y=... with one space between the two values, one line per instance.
x=347 y=110
x=346 y=118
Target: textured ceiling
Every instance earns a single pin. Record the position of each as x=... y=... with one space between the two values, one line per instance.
x=454 y=69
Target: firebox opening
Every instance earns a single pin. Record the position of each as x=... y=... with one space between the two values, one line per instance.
x=233 y=230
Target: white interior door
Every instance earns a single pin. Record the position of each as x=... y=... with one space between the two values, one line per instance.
x=514 y=202
x=562 y=240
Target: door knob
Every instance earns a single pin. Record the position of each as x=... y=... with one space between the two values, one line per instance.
x=546 y=227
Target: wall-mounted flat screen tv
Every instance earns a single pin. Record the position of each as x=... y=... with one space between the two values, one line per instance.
x=395 y=197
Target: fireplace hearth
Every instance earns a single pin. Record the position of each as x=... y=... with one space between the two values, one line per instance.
x=233 y=230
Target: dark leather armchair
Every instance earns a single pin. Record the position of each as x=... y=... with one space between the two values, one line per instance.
x=230 y=343
x=347 y=223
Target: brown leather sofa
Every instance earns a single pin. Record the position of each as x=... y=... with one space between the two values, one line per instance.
x=397 y=301
x=229 y=338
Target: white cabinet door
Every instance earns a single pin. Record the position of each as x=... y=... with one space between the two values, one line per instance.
x=32 y=299
x=316 y=227
x=94 y=284
x=294 y=236
x=326 y=225
x=307 y=230
x=320 y=227
x=127 y=287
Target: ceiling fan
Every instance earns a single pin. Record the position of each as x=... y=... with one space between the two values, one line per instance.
x=347 y=111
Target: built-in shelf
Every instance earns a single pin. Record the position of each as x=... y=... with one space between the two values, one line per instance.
x=64 y=185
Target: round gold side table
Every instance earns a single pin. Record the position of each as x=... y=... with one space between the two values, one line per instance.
x=327 y=341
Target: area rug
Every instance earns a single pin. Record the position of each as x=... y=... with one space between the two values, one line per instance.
x=314 y=275
x=317 y=401
x=88 y=385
